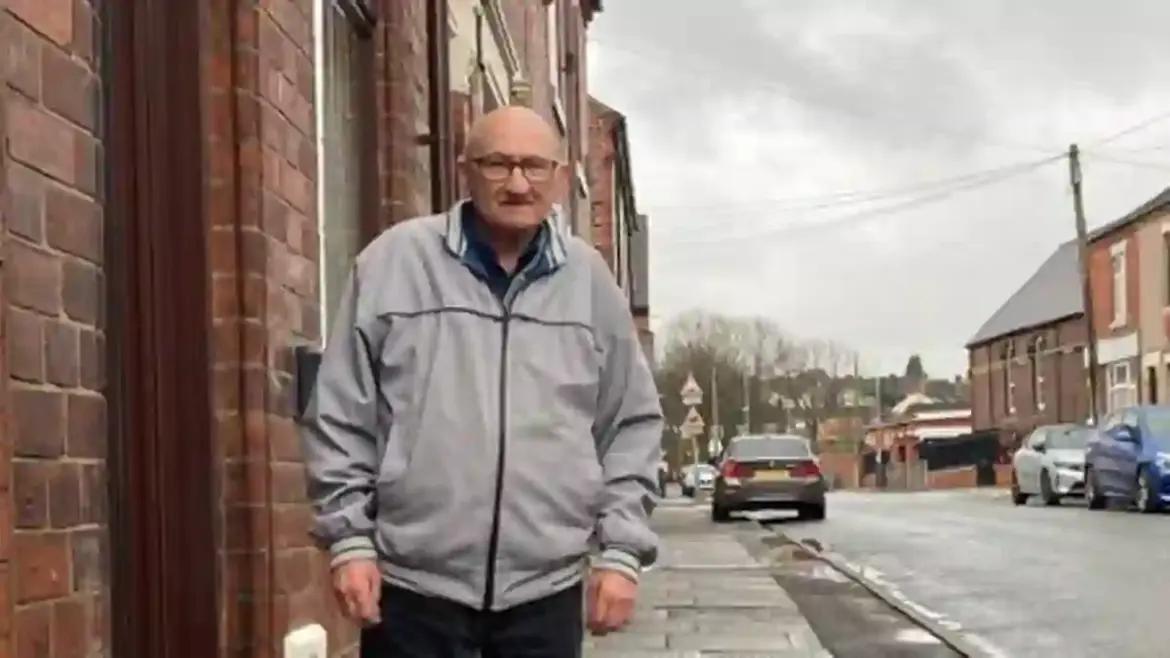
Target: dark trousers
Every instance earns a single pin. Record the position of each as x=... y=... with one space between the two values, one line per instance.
x=417 y=626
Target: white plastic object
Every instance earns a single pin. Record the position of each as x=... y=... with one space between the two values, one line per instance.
x=310 y=641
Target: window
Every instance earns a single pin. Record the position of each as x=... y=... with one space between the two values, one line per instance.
x=769 y=447
x=1117 y=258
x=1166 y=265
x=1152 y=384
x=1037 y=361
x=1009 y=382
x=338 y=51
x=553 y=27
x=1122 y=390
x=1068 y=437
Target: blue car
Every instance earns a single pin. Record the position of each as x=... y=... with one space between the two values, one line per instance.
x=1129 y=459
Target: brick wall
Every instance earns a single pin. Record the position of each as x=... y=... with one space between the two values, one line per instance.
x=953 y=478
x=404 y=162
x=528 y=27
x=841 y=469
x=1101 y=274
x=600 y=165
x=264 y=245
x=53 y=574
x=1062 y=368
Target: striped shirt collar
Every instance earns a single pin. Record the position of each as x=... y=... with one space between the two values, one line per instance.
x=553 y=250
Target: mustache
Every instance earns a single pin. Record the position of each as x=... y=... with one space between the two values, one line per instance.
x=516 y=199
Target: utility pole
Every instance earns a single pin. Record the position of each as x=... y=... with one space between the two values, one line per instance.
x=716 y=426
x=1074 y=174
x=747 y=402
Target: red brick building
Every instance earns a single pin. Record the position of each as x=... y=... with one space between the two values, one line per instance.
x=620 y=233
x=183 y=185
x=1119 y=292
x=1027 y=362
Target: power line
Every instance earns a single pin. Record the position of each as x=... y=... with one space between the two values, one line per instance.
x=1105 y=157
x=1137 y=127
x=843 y=198
x=852 y=219
x=693 y=65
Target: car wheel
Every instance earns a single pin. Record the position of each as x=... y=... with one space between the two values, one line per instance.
x=812 y=513
x=1049 y=496
x=720 y=514
x=1147 y=498
x=1093 y=496
x=1018 y=496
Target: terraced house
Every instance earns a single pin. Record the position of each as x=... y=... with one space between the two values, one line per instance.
x=1130 y=274
x=1027 y=361
x=184 y=185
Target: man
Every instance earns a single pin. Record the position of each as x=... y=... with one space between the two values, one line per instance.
x=484 y=419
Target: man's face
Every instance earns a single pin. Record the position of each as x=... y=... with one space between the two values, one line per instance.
x=514 y=186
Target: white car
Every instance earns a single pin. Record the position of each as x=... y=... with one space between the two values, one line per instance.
x=1050 y=464
x=698 y=477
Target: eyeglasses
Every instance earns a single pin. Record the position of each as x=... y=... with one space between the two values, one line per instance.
x=498 y=168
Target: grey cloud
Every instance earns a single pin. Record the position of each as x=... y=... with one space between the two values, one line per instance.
x=927 y=89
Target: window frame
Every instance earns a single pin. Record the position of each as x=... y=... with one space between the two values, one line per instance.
x=1120 y=392
x=1119 y=270
x=1009 y=388
x=1039 y=346
x=554 y=40
x=360 y=19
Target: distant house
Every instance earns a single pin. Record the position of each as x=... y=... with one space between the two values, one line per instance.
x=1129 y=262
x=1027 y=361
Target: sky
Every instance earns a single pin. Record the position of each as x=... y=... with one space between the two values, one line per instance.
x=884 y=174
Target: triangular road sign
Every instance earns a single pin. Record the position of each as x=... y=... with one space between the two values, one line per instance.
x=693 y=418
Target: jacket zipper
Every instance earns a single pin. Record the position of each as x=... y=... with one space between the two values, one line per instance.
x=501 y=455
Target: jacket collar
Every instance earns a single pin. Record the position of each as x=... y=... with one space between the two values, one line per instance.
x=553 y=251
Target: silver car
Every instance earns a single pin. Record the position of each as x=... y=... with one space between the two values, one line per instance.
x=697 y=477
x=769 y=472
x=1050 y=464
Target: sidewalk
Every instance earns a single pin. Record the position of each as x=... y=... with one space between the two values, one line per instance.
x=707 y=596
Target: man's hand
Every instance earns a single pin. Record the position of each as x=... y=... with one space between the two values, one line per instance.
x=358 y=586
x=610 y=601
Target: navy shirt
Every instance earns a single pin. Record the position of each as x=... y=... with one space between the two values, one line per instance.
x=482 y=257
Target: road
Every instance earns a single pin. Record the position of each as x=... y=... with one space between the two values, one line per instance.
x=1024 y=582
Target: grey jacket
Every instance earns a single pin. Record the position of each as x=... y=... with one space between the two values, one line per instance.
x=482 y=449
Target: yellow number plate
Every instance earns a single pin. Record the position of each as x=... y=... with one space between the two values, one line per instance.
x=771 y=476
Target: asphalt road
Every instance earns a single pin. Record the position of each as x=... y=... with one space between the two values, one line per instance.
x=1024 y=582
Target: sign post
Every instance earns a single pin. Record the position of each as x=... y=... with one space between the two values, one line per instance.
x=692 y=426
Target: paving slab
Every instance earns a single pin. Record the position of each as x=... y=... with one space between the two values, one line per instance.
x=709 y=597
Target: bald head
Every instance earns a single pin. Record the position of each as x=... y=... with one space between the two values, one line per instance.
x=512 y=130
x=514 y=169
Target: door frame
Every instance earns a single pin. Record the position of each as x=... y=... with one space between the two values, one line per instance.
x=162 y=475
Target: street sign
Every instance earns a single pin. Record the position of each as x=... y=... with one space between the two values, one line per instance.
x=693 y=420
x=691 y=393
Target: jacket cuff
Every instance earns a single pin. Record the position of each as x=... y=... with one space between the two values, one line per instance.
x=359 y=547
x=623 y=562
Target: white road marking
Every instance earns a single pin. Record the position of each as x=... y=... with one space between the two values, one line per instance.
x=916 y=636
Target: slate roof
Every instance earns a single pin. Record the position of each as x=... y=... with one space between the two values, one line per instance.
x=1155 y=204
x=1052 y=293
